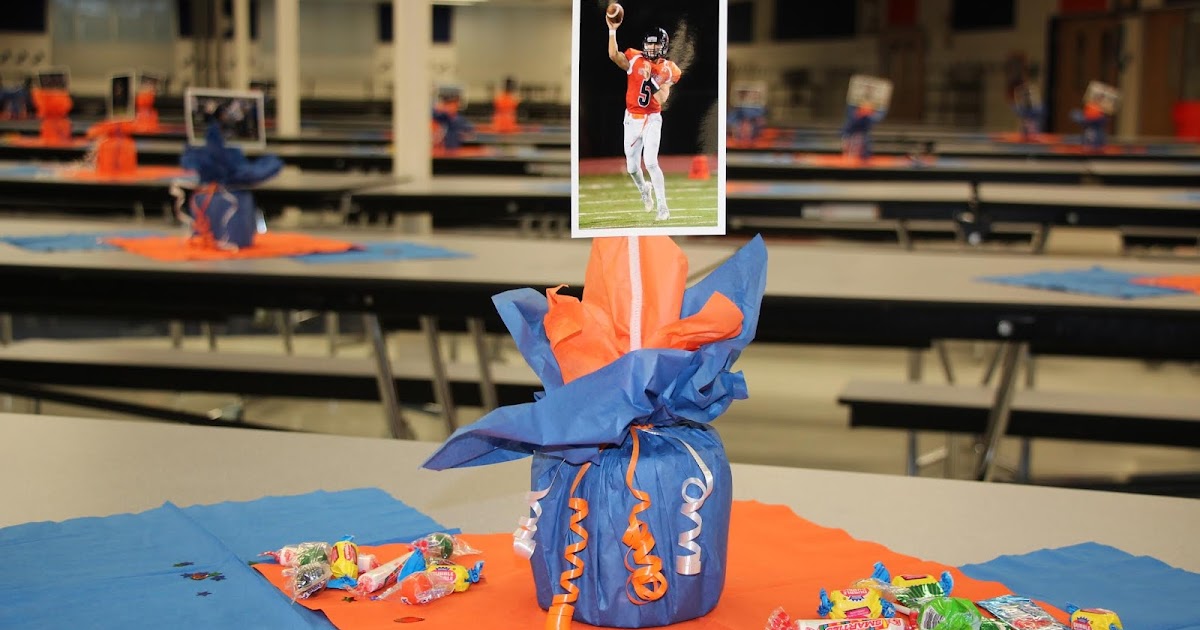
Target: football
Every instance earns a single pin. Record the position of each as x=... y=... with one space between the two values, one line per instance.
x=615 y=14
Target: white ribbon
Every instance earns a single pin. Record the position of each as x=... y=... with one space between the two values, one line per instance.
x=523 y=542
x=690 y=564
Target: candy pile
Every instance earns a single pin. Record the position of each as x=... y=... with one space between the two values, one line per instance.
x=429 y=571
x=883 y=602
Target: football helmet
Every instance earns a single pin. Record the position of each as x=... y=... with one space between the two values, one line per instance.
x=655 y=44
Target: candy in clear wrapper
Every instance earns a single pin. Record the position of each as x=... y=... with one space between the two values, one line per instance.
x=908 y=591
x=421 y=588
x=292 y=555
x=310 y=579
x=1021 y=613
x=462 y=576
x=780 y=620
x=380 y=577
x=855 y=603
x=1093 y=619
x=367 y=562
x=948 y=613
x=446 y=546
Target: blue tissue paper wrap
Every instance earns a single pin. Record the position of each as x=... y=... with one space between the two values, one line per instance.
x=221 y=207
x=662 y=399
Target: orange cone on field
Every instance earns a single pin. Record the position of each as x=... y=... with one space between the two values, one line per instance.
x=699 y=167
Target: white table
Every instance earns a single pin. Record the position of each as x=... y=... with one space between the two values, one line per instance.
x=68 y=467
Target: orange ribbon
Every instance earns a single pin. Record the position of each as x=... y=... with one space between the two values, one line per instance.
x=562 y=610
x=646 y=582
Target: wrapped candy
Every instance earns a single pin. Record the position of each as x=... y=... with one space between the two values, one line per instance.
x=907 y=591
x=380 y=577
x=855 y=603
x=309 y=579
x=388 y=574
x=343 y=563
x=290 y=556
x=445 y=546
x=1021 y=612
x=462 y=576
x=421 y=588
x=780 y=620
x=1093 y=618
x=948 y=613
x=366 y=562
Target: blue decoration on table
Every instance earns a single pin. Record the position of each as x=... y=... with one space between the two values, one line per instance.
x=382 y=252
x=657 y=402
x=1094 y=281
x=221 y=207
x=120 y=572
x=79 y=242
x=371 y=515
x=1146 y=592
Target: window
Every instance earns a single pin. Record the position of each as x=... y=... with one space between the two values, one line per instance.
x=815 y=20
x=25 y=17
x=973 y=15
x=741 y=22
x=443 y=18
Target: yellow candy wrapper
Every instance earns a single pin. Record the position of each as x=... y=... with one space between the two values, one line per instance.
x=343 y=560
x=855 y=603
x=1094 y=619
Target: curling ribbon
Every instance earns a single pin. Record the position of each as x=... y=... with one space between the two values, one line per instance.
x=562 y=610
x=523 y=542
x=690 y=565
x=646 y=582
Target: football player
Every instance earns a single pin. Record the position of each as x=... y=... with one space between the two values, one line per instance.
x=650 y=77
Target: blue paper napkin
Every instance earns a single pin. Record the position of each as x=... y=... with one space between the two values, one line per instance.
x=371 y=515
x=85 y=241
x=1094 y=281
x=383 y=252
x=156 y=569
x=1147 y=593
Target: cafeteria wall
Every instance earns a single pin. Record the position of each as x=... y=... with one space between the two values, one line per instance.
x=342 y=57
x=809 y=77
x=340 y=52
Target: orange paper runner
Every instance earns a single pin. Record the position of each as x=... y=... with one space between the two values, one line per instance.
x=269 y=245
x=775 y=559
x=1185 y=283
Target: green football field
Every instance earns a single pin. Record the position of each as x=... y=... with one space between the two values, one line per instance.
x=612 y=201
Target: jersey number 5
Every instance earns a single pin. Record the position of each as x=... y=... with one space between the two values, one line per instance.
x=645 y=94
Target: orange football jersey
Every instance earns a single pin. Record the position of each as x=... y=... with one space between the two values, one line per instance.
x=639 y=94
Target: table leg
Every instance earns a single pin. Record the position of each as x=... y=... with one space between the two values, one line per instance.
x=487 y=386
x=441 y=382
x=332 y=330
x=284 y=320
x=944 y=360
x=1040 y=236
x=176 y=329
x=387 y=383
x=911 y=467
x=211 y=334
x=1001 y=410
x=903 y=236
x=6 y=329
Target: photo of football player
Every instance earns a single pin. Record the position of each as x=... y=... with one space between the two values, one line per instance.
x=662 y=173
x=651 y=75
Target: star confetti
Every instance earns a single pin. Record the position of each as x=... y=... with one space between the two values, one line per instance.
x=349 y=600
x=203 y=594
